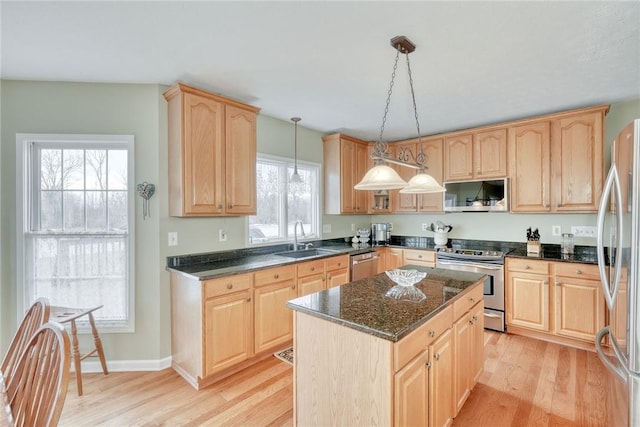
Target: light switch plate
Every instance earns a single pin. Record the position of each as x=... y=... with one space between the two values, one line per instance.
x=172 y=238
x=222 y=235
x=556 y=230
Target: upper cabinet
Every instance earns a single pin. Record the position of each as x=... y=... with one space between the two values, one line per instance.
x=345 y=163
x=556 y=164
x=212 y=154
x=477 y=155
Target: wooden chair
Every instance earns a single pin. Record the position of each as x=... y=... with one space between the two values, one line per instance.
x=70 y=315
x=36 y=316
x=34 y=395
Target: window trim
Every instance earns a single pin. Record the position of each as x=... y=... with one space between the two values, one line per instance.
x=25 y=191
x=290 y=161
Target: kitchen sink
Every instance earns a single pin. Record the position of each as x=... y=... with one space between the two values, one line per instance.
x=306 y=253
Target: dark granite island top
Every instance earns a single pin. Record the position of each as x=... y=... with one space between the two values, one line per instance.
x=362 y=305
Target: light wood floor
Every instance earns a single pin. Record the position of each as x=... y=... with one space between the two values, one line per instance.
x=525 y=383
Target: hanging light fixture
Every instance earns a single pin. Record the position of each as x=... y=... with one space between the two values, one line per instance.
x=295 y=177
x=383 y=177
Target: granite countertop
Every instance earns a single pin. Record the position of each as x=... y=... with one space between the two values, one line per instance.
x=362 y=304
x=217 y=264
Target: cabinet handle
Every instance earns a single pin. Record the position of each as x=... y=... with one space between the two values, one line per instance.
x=276 y=276
x=229 y=286
x=323 y=279
x=419 y=256
x=293 y=287
x=229 y=206
x=475 y=318
x=546 y=282
x=248 y=299
x=471 y=321
x=219 y=206
x=578 y=271
x=313 y=269
x=429 y=364
x=472 y=299
x=526 y=267
x=432 y=333
x=436 y=356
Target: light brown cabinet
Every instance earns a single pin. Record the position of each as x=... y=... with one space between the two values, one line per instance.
x=556 y=300
x=411 y=386
x=310 y=277
x=345 y=163
x=419 y=257
x=394 y=258
x=212 y=152
x=337 y=271
x=556 y=164
x=468 y=333
x=441 y=377
x=273 y=321
x=478 y=155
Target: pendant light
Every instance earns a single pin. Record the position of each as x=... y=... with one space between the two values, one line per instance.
x=295 y=177
x=383 y=177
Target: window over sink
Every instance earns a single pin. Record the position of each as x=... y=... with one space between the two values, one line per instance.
x=280 y=203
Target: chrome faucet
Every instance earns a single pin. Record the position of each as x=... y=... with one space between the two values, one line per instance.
x=295 y=233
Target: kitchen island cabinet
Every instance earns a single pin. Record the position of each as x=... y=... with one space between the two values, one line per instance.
x=362 y=358
x=212 y=147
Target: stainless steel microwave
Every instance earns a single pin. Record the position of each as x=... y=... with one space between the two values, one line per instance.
x=477 y=196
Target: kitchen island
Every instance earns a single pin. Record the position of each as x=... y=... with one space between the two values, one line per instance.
x=363 y=358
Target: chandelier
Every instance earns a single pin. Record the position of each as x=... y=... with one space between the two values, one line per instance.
x=382 y=176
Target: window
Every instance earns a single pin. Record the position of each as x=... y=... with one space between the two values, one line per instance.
x=280 y=203
x=75 y=223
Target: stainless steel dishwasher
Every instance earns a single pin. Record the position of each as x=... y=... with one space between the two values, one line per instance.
x=364 y=265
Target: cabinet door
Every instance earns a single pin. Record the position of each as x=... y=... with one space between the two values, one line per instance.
x=311 y=284
x=227 y=331
x=348 y=176
x=477 y=343
x=490 y=154
x=405 y=202
x=383 y=254
x=337 y=277
x=528 y=301
x=361 y=167
x=395 y=258
x=411 y=393
x=578 y=162
x=240 y=149
x=273 y=320
x=462 y=385
x=441 y=398
x=203 y=138
x=458 y=158
x=579 y=311
x=433 y=150
x=530 y=162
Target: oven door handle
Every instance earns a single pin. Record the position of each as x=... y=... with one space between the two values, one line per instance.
x=491 y=315
x=467 y=264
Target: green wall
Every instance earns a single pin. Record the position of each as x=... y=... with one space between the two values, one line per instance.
x=50 y=107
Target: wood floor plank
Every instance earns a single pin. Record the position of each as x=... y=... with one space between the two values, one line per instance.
x=525 y=383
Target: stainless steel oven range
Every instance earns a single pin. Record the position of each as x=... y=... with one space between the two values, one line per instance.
x=486 y=262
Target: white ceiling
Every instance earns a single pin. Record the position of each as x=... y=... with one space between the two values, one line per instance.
x=330 y=62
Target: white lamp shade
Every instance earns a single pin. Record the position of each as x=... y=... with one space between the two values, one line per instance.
x=421 y=184
x=381 y=177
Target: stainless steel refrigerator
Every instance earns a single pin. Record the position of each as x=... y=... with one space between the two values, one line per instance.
x=618 y=344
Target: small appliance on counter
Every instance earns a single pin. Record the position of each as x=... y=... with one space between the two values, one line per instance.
x=380 y=233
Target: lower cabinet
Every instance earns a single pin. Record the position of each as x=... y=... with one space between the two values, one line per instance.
x=441 y=381
x=227 y=331
x=411 y=392
x=469 y=344
x=559 y=301
x=273 y=320
x=337 y=271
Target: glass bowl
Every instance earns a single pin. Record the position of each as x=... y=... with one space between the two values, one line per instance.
x=406 y=293
x=406 y=277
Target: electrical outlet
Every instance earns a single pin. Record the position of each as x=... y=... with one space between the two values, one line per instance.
x=172 y=238
x=390 y=226
x=425 y=227
x=222 y=235
x=556 y=230
x=583 y=231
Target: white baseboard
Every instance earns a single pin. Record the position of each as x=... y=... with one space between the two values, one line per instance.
x=93 y=365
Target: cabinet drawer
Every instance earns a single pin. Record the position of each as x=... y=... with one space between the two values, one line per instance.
x=411 y=345
x=337 y=262
x=582 y=271
x=468 y=300
x=310 y=267
x=419 y=257
x=275 y=275
x=227 y=285
x=528 y=266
